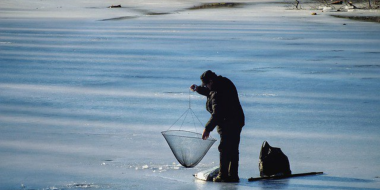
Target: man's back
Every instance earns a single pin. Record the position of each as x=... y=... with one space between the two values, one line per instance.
x=230 y=104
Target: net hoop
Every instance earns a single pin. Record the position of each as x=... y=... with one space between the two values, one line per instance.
x=165 y=133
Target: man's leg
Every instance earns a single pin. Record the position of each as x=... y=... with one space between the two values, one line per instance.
x=234 y=165
x=224 y=159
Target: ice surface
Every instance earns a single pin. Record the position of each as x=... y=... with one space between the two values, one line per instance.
x=83 y=101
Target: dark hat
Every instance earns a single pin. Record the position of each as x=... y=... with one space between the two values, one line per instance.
x=207 y=76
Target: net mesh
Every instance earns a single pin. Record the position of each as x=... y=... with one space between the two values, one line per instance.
x=188 y=147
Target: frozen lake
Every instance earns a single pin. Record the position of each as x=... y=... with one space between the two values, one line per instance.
x=85 y=92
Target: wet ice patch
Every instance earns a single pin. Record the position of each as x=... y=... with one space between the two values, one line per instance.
x=74 y=186
x=155 y=167
x=175 y=93
x=367 y=66
x=258 y=95
x=288 y=38
x=317 y=72
x=119 y=18
x=82 y=186
x=262 y=69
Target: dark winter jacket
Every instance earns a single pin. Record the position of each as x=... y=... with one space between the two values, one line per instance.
x=223 y=104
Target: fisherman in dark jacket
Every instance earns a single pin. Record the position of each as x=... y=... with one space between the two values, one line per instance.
x=228 y=116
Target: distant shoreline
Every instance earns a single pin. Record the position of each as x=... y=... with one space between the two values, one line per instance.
x=355 y=10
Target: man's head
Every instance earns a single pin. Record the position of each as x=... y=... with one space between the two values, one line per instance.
x=208 y=78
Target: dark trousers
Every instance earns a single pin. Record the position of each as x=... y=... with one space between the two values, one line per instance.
x=229 y=150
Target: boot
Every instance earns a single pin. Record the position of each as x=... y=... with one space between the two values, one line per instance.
x=233 y=170
x=233 y=179
x=220 y=178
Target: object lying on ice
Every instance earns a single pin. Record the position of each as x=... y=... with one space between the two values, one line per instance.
x=115 y=6
x=284 y=176
x=274 y=164
x=273 y=161
x=207 y=175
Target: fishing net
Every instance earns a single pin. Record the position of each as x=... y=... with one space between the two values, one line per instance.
x=188 y=147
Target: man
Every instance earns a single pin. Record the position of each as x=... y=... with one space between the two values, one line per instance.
x=228 y=116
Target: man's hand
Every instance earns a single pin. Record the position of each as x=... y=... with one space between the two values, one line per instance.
x=205 y=134
x=194 y=87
